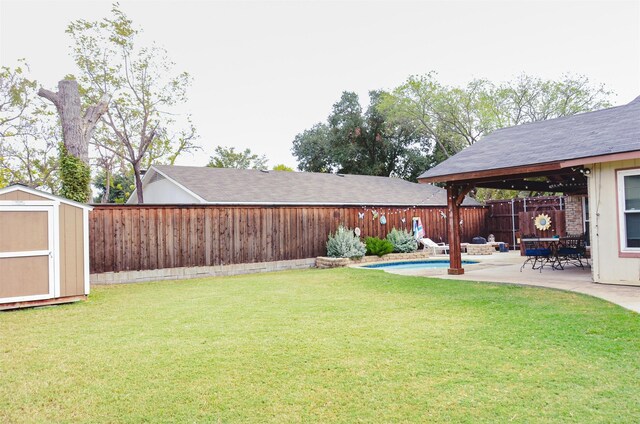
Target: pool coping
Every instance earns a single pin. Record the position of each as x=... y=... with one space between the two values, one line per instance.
x=479 y=261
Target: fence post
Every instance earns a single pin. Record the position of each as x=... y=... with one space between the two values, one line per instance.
x=513 y=224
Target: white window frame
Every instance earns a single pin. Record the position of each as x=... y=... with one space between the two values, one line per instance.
x=622 y=211
x=585 y=212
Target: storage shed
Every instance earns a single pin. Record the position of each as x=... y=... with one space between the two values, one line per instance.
x=44 y=248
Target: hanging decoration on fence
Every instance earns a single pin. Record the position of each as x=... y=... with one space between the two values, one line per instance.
x=403 y=219
x=418 y=229
x=383 y=220
x=356 y=231
x=375 y=214
x=360 y=215
x=542 y=222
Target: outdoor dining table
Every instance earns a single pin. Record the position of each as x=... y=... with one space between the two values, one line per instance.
x=553 y=243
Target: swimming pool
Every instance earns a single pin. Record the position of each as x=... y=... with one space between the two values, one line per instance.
x=432 y=264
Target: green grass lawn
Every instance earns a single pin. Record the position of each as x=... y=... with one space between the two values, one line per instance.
x=341 y=345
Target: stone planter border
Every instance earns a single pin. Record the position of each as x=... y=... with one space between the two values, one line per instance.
x=326 y=262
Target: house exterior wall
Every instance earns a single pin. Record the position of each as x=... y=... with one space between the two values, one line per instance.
x=164 y=191
x=573 y=215
x=609 y=265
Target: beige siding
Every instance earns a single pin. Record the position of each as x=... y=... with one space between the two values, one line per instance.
x=21 y=195
x=25 y=276
x=608 y=266
x=71 y=251
x=23 y=231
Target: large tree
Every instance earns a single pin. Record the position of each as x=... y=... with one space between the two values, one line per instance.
x=452 y=118
x=140 y=123
x=354 y=141
x=29 y=133
x=227 y=157
x=77 y=129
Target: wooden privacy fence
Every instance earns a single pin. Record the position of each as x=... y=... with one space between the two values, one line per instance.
x=142 y=237
x=503 y=215
x=528 y=227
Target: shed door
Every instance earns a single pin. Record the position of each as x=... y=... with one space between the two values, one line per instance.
x=26 y=253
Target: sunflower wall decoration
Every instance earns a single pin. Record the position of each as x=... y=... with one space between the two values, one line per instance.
x=543 y=222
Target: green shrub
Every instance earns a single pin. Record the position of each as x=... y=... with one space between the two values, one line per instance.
x=345 y=244
x=75 y=176
x=403 y=241
x=379 y=247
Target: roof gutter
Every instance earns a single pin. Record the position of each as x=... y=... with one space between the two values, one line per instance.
x=602 y=158
x=488 y=173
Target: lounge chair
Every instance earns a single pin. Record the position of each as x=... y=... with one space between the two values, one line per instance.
x=432 y=245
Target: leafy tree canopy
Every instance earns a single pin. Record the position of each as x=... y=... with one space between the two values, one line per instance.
x=354 y=141
x=449 y=119
x=282 y=167
x=227 y=157
x=29 y=133
x=121 y=185
x=140 y=126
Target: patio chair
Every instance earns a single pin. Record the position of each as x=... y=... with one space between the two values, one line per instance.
x=537 y=255
x=435 y=247
x=573 y=250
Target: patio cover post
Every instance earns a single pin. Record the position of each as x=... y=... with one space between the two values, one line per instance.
x=455 y=197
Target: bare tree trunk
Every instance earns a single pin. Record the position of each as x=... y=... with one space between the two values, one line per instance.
x=77 y=129
x=136 y=172
x=107 y=186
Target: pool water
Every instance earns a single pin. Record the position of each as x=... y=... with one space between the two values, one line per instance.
x=433 y=264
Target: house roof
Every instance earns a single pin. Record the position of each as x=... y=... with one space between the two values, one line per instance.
x=600 y=133
x=245 y=186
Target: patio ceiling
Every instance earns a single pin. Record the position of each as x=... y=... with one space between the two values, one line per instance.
x=549 y=178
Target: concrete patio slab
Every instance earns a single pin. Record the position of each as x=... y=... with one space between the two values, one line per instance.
x=504 y=268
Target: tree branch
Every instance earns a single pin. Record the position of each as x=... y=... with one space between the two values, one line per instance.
x=49 y=95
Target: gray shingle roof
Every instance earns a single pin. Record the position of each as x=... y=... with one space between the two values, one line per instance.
x=218 y=185
x=603 y=132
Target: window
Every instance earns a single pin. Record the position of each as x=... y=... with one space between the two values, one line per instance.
x=629 y=208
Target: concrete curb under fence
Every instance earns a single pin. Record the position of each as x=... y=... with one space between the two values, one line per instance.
x=239 y=269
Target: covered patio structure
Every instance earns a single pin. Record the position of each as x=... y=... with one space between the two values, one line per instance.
x=595 y=154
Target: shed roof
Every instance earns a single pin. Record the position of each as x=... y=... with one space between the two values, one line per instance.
x=247 y=186
x=44 y=194
x=603 y=132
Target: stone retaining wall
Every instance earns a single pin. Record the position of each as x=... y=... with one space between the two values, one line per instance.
x=198 y=272
x=325 y=262
x=480 y=249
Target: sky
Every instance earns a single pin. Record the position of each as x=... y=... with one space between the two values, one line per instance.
x=266 y=71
